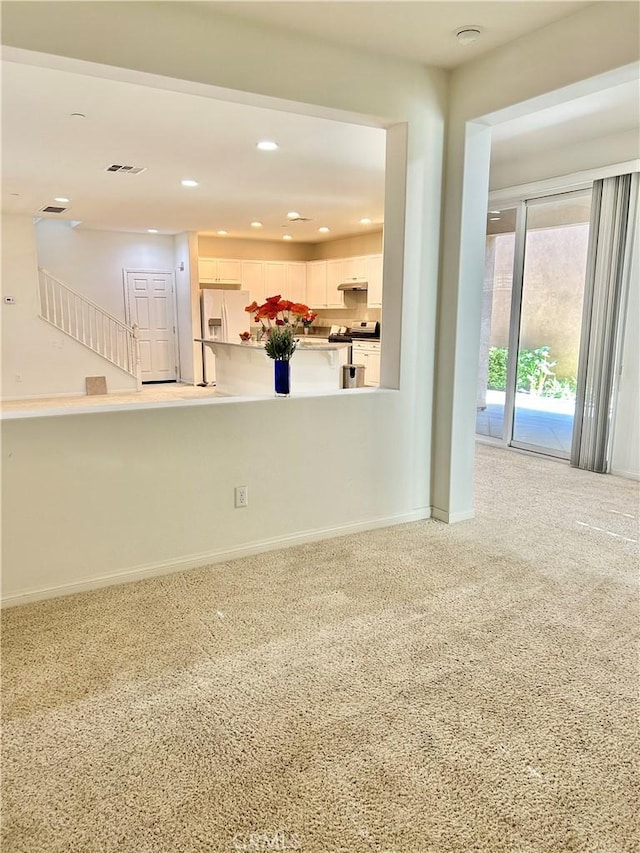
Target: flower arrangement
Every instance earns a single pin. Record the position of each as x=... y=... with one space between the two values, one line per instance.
x=281 y=343
x=280 y=314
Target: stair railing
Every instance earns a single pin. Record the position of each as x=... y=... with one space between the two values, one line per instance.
x=86 y=322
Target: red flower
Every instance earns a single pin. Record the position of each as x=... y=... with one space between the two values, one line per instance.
x=279 y=322
x=273 y=299
x=251 y=307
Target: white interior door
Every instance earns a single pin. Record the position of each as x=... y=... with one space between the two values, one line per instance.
x=151 y=305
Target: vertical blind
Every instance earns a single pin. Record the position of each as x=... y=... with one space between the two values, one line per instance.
x=613 y=216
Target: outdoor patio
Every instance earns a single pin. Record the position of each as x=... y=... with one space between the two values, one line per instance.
x=544 y=421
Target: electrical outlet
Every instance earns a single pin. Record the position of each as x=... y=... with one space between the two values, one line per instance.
x=242 y=496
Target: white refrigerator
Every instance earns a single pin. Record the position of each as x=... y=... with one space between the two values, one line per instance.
x=223 y=318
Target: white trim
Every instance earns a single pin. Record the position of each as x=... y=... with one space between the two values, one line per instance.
x=628 y=475
x=451 y=517
x=561 y=183
x=200 y=560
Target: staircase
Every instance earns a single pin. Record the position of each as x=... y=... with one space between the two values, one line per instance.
x=87 y=323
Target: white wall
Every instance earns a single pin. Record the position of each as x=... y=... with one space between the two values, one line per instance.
x=186 y=256
x=37 y=359
x=625 y=449
x=545 y=68
x=92 y=261
x=155 y=488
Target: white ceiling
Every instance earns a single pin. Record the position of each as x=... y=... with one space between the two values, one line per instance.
x=328 y=171
x=417 y=30
x=611 y=111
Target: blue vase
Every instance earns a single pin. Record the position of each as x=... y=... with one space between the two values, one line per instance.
x=281 y=374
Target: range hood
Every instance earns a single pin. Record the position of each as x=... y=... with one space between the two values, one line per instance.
x=353 y=285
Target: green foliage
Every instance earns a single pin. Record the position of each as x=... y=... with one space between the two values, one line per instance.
x=535 y=373
x=534 y=370
x=497 y=379
x=281 y=343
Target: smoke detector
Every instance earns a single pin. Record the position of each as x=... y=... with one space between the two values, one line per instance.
x=467 y=35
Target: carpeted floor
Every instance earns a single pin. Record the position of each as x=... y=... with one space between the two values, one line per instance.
x=419 y=689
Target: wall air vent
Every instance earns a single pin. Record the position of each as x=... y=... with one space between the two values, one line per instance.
x=126 y=170
x=52 y=208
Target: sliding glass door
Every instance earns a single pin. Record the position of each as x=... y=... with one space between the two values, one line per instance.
x=534 y=287
x=548 y=333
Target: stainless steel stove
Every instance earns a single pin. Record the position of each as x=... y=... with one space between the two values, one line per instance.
x=361 y=332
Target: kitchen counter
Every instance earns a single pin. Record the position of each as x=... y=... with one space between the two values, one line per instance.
x=244 y=369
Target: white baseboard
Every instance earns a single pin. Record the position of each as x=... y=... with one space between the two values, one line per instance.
x=194 y=561
x=629 y=475
x=451 y=517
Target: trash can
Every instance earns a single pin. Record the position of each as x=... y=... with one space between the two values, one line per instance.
x=352 y=375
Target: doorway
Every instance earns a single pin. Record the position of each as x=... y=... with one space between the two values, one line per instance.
x=150 y=303
x=535 y=269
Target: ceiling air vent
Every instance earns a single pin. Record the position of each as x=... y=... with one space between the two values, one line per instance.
x=52 y=208
x=127 y=170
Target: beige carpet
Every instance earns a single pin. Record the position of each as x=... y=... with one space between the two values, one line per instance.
x=420 y=689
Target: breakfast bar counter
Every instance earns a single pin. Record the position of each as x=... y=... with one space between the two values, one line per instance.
x=244 y=369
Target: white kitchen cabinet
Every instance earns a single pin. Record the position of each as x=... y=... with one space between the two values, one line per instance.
x=219 y=271
x=275 y=279
x=287 y=278
x=367 y=353
x=253 y=280
x=355 y=269
x=374 y=279
x=296 y=286
x=335 y=277
x=316 y=284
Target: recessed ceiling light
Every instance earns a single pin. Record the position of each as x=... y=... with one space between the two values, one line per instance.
x=323 y=229
x=293 y=214
x=287 y=237
x=189 y=182
x=365 y=221
x=267 y=145
x=61 y=199
x=78 y=115
x=152 y=230
x=468 y=34
x=256 y=224
x=494 y=219
x=222 y=233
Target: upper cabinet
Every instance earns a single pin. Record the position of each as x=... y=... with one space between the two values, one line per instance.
x=373 y=272
x=253 y=280
x=314 y=283
x=335 y=277
x=219 y=271
x=355 y=269
x=287 y=278
x=296 y=289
